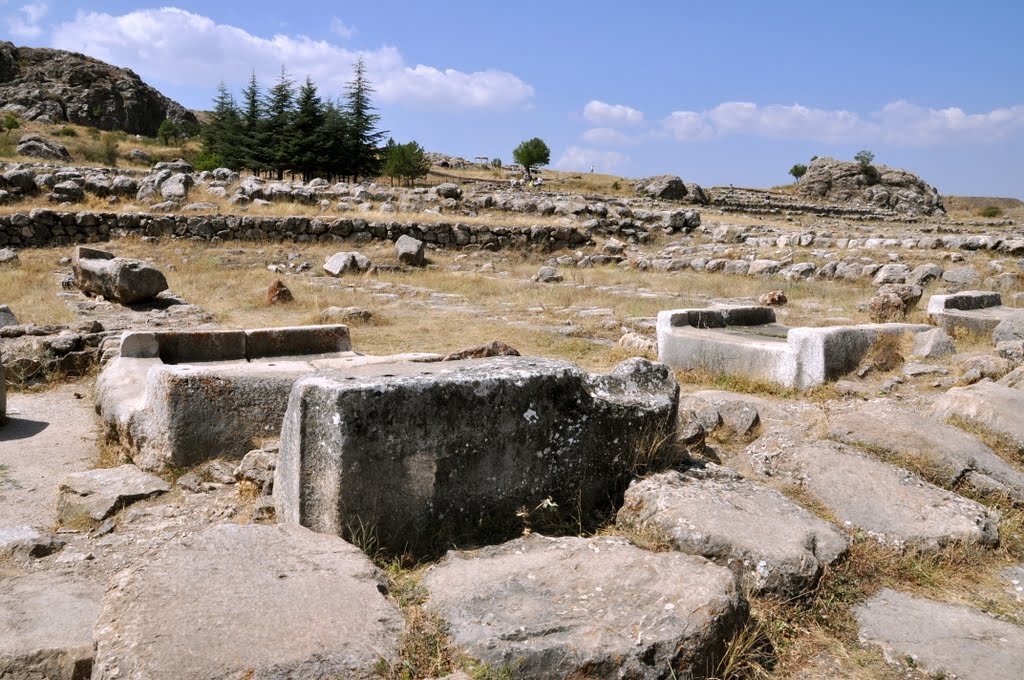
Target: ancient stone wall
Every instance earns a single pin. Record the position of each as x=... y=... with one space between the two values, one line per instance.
x=42 y=227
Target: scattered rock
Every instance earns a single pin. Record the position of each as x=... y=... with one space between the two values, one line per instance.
x=724 y=414
x=347 y=263
x=933 y=344
x=410 y=251
x=257 y=468
x=248 y=601
x=9 y=258
x=944 y=640
x=7 y=317
x=97 y=494
x=639 y=343
x=665 y=187
x=278 y=293
x=714 y=512
x=578 y=607
x=988 y=405
x=345 y=314
x=773 y=298
x=1009 y=330
x=548 y=275
x=120 y=280
x=875 y=185
x=25 y=543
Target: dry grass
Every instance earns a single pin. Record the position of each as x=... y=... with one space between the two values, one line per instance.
x=30 y=289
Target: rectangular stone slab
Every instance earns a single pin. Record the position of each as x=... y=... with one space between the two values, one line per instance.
x=420 y=455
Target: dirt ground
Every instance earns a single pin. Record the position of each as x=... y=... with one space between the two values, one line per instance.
x=49 y=435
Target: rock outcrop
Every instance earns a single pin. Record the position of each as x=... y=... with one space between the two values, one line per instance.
x=54 y=86
x=874 y=185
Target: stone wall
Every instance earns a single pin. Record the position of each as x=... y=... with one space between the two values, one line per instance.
x=42 y=227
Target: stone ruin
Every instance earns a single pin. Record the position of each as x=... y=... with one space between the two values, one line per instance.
x=747 y=341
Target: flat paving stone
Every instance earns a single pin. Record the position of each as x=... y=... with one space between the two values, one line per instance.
x=716 y=513
x=952 y=639
x=575 y=607
x=995 y=407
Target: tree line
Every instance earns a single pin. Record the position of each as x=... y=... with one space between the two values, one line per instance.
x=295 y=130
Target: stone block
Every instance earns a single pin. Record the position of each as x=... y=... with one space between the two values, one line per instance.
x=118 y=279
x=426 y=455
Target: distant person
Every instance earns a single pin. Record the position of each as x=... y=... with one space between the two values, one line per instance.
x=591 y=168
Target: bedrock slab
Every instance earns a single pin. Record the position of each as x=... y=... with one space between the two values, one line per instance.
x=252 y=601
x=431 y=453
x=716 y=513
x=576 y=607
x=994 y=407
x=46 y=624
x=97 y=494
x=891 y=504
x=953 y=640
x=945 y=452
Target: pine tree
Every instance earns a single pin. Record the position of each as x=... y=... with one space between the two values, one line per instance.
x=280 y=108
x=405 y=162
x=222 y=134
x=335 y=138
x=307 y=131
x=365 y=140
x=254 y=152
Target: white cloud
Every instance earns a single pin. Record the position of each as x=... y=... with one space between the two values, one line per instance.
x=184 y=48
x=898 y=122
x=25 y=22
x=604 y=136
x=580 y=159
x=612 y=114
x=341 y=29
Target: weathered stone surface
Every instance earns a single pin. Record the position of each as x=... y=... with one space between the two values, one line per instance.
x=38 y=146
x=46 y=624
x=25 y=542
x=426 y=454
x=55 y=86
x=251 y=601
x=449 y=190
x=410 y=251
x=716 y=513
x=943 y=452
x=575 y=607
x=889 y=503
x=995 y=407
x=347 y=263
x=120 y=280
x=1009 y=330
x=496 y=348
x=9 y=258
x=278 y=293
x=724 y=413
x=891 y=273
x=953 y=640
x=875 y=185
x=97 y=494
x=547 y=275
x=933 y=344
x=667 y=187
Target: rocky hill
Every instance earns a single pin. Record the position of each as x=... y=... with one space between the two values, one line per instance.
x=880 y=186
x=55 y=86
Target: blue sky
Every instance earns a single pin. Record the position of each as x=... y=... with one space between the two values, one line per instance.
x=716 y=92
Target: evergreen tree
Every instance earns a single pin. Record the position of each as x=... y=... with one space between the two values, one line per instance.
x=365 y=139
x=254 y=153
x=221 y=136
x=335 y=138
x=405 y=162
x=280 y=108
x=307 y=131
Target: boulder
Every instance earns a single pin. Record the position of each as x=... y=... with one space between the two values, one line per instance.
x=890 y=504
x=924 y=274
x=711 y=511
x=9 y=258
x=891 y=273
x=496 y=348
x=944 y=453
x=38 y=146
x=933 y=344
x=764 y=268
x=46 y=624
x=665 y=187
x=252 y=601
x=1009 y=330
x=879 y=186
x=278 y=293
x=961 y=278
x=97 y=494
x=347 y=263
x=410 y=251
x=118 y=279
x=725 y=414
x=586 y=607
x=991 y=406
x=449 y=190
x=68 y=192
x=943 y=640
x=468 y=444
x=176 y=187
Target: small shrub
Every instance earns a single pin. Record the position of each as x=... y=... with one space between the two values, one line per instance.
x=206 y=160
x=616 y=185
x=65 y=132
x=11 y=122
x=990 y=211
x=864 y=157
x=495 y=162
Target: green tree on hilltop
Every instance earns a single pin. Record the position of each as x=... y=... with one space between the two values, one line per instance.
x=406 y=162
x=532 y=153
x=366 y=157
x=798 y=170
